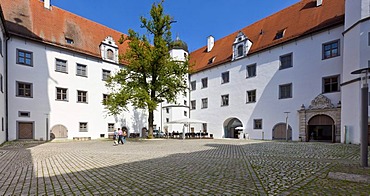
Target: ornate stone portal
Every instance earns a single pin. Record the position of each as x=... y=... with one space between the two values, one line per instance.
x=321 y=105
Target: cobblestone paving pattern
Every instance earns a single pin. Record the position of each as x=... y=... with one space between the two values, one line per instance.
x=177 y=167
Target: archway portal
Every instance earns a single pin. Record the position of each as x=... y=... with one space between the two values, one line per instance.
x=279 y=132
x=229 y=127
x=321 y=128
x=58 y=131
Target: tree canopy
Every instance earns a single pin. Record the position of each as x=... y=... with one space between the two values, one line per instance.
x=151 y=75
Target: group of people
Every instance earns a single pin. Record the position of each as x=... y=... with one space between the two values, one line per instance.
x=120 y=136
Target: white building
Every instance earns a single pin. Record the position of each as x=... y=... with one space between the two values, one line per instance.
x=293 y=66
x=295 y=63
x=3 y=37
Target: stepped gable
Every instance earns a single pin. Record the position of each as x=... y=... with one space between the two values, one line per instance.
x=29 y=19
x=298 y=20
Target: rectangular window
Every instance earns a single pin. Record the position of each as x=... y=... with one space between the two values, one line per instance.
x=24 y=114
x=193 y=105
x=81 y=70
x=330 y=50
x=105 y=97
x=1 y=83
x=286 y=61
x=62 y=94
x=110 y=127
x=225 y=77
x=2 y=124
x=257 y=123
x=185 y=113
x=24 y=89
x=251 y=70
x=24 y=57
x=61 y=65
x=285 y=91
x=204 y=127
x=185 y=102
x=204 y=103
x=193 y=85
x=204 y=82
x=251 y=96
x=83 y=126
x=224 y=100
x=167 y=120
x=106 y=74
x=82 y=96
x=330 y=84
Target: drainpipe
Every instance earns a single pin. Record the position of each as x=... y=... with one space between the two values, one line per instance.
x=6 y=91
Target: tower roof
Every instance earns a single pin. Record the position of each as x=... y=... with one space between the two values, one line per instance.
x=179 y=44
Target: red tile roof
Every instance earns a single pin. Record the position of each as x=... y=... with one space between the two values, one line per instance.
x=29 y=18
x=300 y=19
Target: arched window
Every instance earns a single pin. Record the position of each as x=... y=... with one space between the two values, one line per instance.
x=240 y=50
x=110 y=54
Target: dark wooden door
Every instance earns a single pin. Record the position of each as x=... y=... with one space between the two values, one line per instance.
x=25 y=130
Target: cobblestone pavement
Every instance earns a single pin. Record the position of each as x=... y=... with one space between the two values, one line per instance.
x=177 y=167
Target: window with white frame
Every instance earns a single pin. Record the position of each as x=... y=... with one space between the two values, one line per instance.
x=286 y=61
x=204 y=103
x=110 y=127
x=251 y=96
x=82 y=96
x=251 y=70
x=185 y=113
x=81 y=70
x=224 y=100
x=330 y=84
x=225 y=77
x=330 y=49
x=24 y=89
x=83 y=126
x=193 y=105
x=167 y=110
x=24 y=57
x=61 y=94
x=61 y=65
x=106 y=74
x=105 y=98
x=204 y=82
x=285 y=91
x=257 y=123
x=193 y=85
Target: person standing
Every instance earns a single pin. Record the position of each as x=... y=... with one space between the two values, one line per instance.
x=124 y=134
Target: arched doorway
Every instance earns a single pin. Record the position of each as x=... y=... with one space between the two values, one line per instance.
x=229 y=127
x=279 y=132
x=321 y=128
x=58 y=131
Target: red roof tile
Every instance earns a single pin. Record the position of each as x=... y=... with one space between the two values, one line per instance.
x=29 y=18
x=300 y=19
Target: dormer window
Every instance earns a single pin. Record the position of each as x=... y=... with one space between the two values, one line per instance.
x=211 y=60
x=280 y=34
x=109 y=50
x=241 y=46
x=69 y=41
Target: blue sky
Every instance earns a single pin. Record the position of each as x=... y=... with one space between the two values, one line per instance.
x=196 y=19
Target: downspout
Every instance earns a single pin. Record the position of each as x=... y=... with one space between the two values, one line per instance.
x=6 y=91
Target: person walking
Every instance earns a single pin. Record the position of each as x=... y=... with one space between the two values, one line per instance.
x=124 y=134
x=115 y=137
x=120 y=135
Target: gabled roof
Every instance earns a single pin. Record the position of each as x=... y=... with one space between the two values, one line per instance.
x=29 y=19
x=300 y=19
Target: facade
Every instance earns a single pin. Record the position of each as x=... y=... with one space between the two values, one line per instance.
x=3 y=78
x=286 y=77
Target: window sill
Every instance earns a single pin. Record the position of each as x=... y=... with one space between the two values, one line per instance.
x=20 y=96
x=25 y=64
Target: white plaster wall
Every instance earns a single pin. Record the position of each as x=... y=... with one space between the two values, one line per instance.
x=68 y=113
x=305 y=75
x=3 y=92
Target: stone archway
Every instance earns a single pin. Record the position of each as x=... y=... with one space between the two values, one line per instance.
x=279 y=132
x=321 y=128
x=321 y=107
x=229 y=127
x=58 y=131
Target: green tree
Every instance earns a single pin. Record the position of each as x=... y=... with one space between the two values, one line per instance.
x=151 y=75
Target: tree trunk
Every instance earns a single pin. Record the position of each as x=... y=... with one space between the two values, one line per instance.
x=150 y=121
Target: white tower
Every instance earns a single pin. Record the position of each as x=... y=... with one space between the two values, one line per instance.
x=356 y=55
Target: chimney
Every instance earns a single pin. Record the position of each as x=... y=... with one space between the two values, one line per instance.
x=47 y=4
x=210 y=43
x=318 y=3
